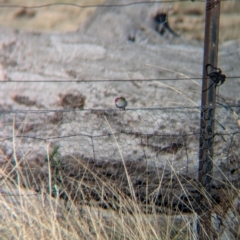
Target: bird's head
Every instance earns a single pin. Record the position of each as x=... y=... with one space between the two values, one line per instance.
x=120 y=99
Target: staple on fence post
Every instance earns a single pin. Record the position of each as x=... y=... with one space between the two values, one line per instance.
x=207 y=118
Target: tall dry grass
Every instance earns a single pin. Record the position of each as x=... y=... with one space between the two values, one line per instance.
x=47 y=208
x=36 y=207
x=26 y=214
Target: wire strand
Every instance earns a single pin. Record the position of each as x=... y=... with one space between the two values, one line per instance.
x=92 y=5
x=101 y=5
x=112 y=80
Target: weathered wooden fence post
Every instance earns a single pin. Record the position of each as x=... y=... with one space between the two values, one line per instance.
x=207 y=117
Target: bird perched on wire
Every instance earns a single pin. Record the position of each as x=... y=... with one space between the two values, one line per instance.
x=121 y=102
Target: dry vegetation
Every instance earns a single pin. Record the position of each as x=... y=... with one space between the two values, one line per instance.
x=25 y=214
x=54 y=200
x=187 y=18
x=74 y=198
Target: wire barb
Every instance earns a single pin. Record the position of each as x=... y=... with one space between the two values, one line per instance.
x=216 y=76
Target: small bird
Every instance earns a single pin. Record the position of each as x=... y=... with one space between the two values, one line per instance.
x=121 y=102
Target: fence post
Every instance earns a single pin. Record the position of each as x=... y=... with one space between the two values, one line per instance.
x=207 y=117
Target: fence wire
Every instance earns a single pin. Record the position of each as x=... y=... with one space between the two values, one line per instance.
x=87 y=151
x=98 y=157
x=127 y=4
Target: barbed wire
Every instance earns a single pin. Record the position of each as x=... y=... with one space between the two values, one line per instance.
x=99 y=5
x=86 y=6
x=102 y=110
x=112 y=80
x=134 y=133
x=103 y=5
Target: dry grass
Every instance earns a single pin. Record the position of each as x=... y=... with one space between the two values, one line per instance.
x=187 y=18
x=26 y=214
x=60 y=18
x=56 y=197
x=47 y=208
x=37 y=208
